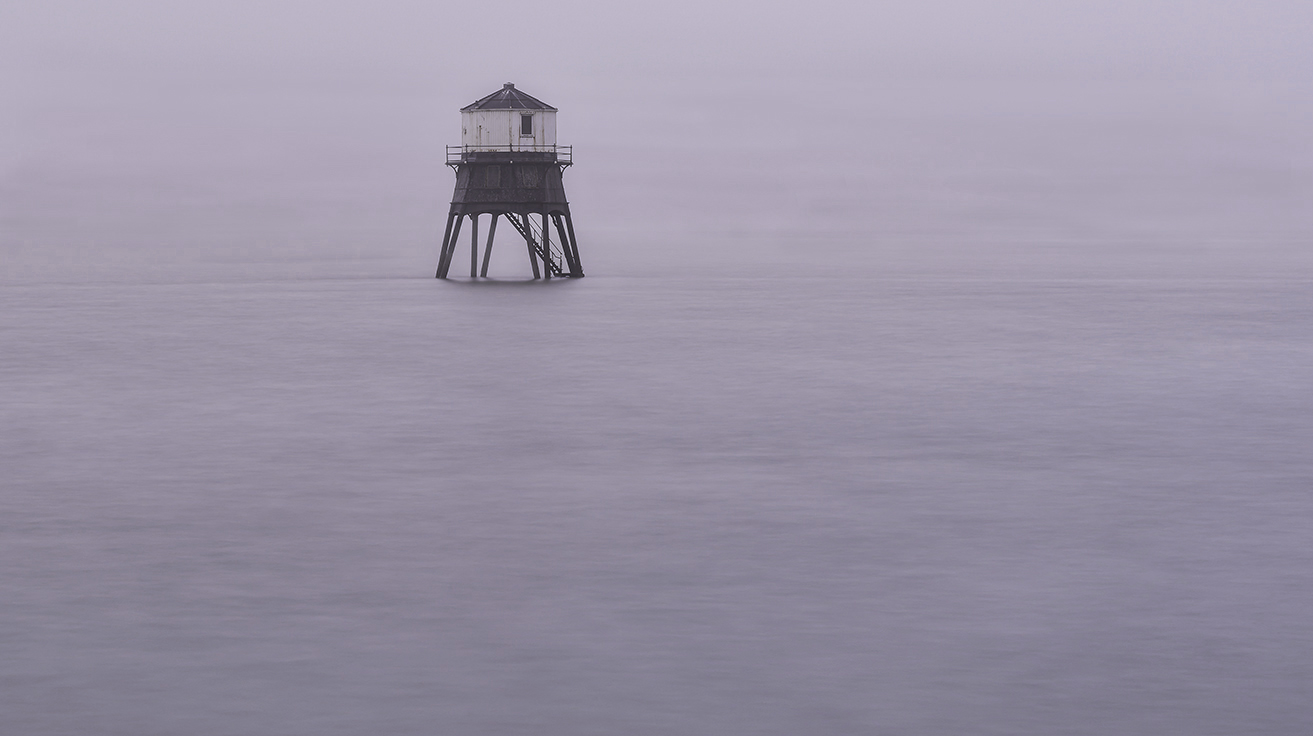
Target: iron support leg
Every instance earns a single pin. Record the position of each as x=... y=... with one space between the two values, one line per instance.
x=528 y=242
x=451 y=248
x=474 y=246
x=487 y=247
x=574 y=246
x=565 y=244
x=547 y=246
x=446 y=238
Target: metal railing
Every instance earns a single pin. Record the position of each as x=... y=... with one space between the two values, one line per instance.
x=561 y=154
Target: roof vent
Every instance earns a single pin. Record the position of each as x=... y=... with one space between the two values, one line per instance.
x=508 y=85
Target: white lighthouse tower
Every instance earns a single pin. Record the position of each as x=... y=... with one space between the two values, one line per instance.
x=509 y=165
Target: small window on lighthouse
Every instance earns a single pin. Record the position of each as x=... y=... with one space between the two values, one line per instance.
x=526 y=125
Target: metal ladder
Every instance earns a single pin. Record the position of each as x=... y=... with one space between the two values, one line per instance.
x=533 y=234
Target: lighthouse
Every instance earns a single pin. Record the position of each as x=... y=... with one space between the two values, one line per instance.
x=509 y=165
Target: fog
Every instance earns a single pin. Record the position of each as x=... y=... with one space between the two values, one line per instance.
x=149 y=133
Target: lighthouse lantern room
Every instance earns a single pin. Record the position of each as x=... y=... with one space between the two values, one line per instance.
x=508 y=119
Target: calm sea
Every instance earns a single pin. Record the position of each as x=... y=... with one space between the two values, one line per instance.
x=972 y=490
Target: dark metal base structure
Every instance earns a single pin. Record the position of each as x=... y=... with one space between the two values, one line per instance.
x=522 y=187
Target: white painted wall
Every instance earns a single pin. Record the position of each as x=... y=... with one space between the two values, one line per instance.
x=500 y=129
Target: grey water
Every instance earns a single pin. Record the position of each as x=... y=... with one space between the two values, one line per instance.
x=919 y=494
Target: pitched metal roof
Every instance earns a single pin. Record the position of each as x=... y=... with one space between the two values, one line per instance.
x=509 y=98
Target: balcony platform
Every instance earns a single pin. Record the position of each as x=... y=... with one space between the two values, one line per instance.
x=561 y=155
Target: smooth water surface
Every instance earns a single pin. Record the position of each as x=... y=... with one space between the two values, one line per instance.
x=877 y=501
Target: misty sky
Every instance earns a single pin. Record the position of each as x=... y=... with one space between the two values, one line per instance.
x=241 y=123
x=696 y=43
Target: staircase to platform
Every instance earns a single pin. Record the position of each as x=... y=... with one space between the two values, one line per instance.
x=552 y=255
